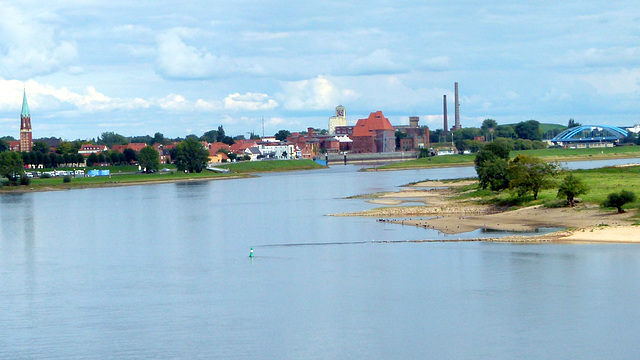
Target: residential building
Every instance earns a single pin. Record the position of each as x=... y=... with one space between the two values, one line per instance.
x=133 y=146
x=216 y=157
x=88 y=149
x=14 y=145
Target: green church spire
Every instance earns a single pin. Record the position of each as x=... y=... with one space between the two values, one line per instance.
x=25 y=106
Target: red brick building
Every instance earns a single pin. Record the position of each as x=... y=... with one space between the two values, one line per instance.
x=374 y=134
x=26 y=137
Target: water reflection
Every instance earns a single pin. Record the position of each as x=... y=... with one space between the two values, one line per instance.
x=163 y=271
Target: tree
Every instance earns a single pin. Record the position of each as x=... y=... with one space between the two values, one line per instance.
x=210 y=136
x=41 y=147
x=158 y=138
x=191 y=155
x=228 y=140
x=221 y=134
x=617 y=200
x=500 y=147
x=11 y=166
x=92 y=159
x=529 y=129
x=110 y=138
x=3 y=146
x=65 y=147
x=115 y=157
x=571 y=187
x=142 y=139
x=505 y=131
x=488 y=127
x=573 y=123
x=530 y=174
x=282 y=135
x=493 y=174
x=491 y=164
x=149 y=159
x=489 y=124
x=130 y=155
x=54 y=159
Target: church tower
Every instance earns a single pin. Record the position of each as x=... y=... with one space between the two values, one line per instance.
x=26 y=138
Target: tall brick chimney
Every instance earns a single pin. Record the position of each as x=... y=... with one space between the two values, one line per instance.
x=457 y=126
x=444 y=104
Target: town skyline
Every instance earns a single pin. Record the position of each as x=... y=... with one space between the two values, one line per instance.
x=132 y=69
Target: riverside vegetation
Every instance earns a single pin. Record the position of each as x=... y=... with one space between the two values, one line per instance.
x=550 y=154
x=520 y=194
x=129 y=175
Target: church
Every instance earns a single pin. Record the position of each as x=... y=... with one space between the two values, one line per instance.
x=26 y=137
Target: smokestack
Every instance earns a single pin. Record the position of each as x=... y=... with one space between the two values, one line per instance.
x=457 y=125
x=444 y=104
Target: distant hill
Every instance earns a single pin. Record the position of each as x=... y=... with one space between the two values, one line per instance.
x=551 y=130
x=549 y=127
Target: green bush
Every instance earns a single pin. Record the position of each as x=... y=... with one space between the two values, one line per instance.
x=571 y=187
x=45 y=176
x=556 y=203
x=25 y=180
x=619 y=199
x=66 y=179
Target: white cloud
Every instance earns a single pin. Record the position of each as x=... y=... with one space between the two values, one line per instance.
x=206 y=105
x=249 y=101
x=380 y=61
x=29 y=46
x=274 y=121
x=48 y=97
x=623 y=82
x=594 y=57
x=174 y=102
x=314 y=94
x=177 y=60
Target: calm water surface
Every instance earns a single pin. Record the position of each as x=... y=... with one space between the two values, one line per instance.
x=161 y=271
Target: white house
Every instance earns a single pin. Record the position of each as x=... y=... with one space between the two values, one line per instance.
x=276 y=150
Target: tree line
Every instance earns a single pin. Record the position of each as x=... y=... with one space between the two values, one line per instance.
x=526 y=175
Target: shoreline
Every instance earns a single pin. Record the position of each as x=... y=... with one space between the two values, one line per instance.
x=567 y=158
x=580 y=224
x=115 y=183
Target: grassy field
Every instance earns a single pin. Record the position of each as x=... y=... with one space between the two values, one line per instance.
x=271 y=166
x=618 y=152
x=114 y=180
x=435 y=161
x=601 y=182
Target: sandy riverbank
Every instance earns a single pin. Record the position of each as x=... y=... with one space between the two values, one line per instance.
x=585 y=223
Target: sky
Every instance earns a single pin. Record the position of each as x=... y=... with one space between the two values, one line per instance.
x=186 y=67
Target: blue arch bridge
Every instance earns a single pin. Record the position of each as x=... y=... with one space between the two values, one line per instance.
x=590 y=136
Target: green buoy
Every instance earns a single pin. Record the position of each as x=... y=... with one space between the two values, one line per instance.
x=251 y=252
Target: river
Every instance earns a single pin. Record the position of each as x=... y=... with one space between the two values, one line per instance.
x=162 y=271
